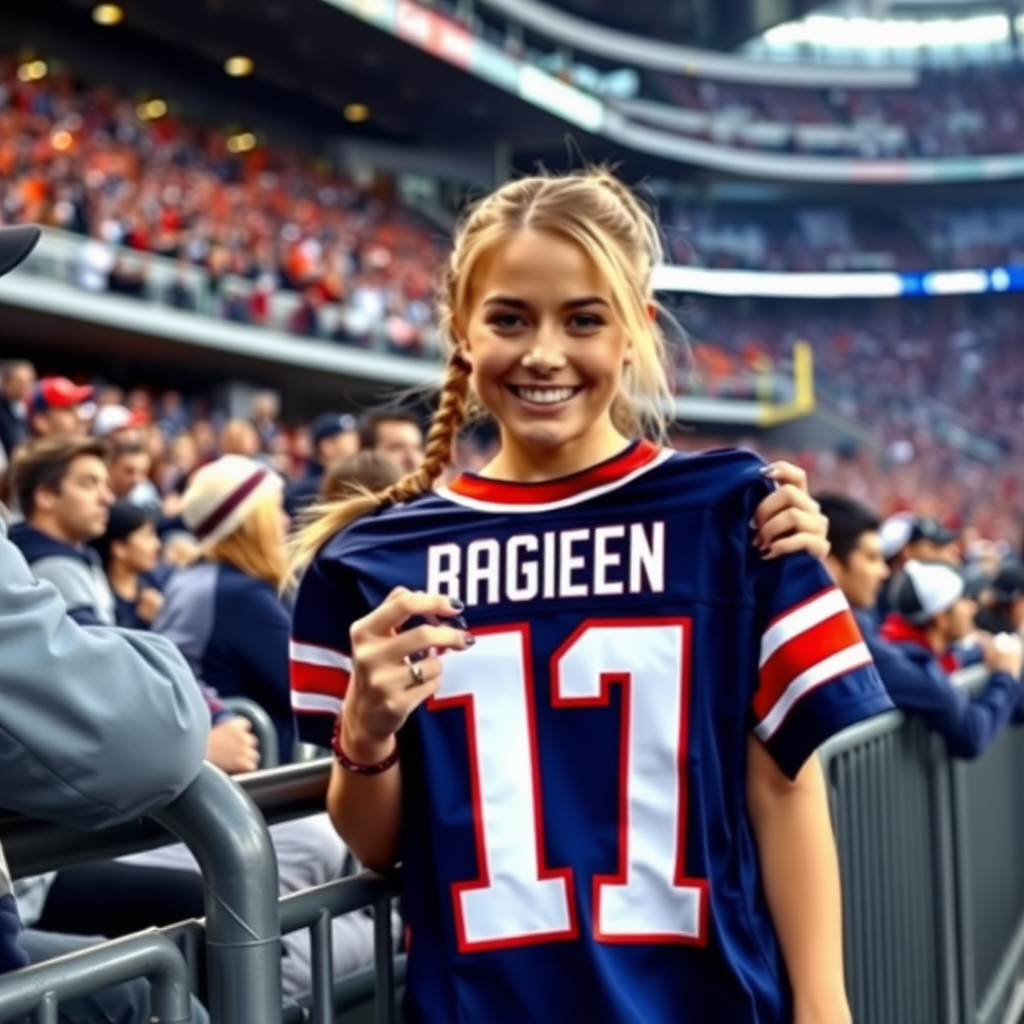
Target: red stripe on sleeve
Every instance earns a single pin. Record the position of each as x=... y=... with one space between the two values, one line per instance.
x=322 y=679
x=801 y=653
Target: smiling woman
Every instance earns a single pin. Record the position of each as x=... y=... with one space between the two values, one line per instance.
x=547 y=353
x=568 y=693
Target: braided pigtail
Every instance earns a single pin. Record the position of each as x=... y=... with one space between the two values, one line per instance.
x=322 y=522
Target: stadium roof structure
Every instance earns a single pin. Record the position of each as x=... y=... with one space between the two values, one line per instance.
x=717 y=26
x=321 y=56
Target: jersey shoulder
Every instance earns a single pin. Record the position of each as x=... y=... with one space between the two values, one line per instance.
x=723 y=478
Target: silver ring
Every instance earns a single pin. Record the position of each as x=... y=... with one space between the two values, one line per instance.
x=416 y=671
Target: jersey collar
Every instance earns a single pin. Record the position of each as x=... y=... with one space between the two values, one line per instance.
x=469 y=488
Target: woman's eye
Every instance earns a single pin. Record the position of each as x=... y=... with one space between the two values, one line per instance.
x=506 y=321
x=586 y=321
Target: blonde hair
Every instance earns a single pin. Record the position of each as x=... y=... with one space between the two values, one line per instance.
x=609 y=223
x=255 y=547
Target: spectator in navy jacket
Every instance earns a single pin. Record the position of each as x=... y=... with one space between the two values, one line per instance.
x=913 y=651
x=334 y=437
x=224 y=612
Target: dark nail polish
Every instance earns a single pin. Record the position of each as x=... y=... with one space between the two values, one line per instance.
x=456 y=604
x=470 y=639
x=459 y=622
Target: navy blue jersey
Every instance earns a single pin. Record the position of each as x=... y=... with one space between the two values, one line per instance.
x=576 y=844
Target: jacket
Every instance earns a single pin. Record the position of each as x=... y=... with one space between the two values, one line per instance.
x=919 y=684
x=75 y=571
x=97 y=726
x=303 y=492
x=234 y=632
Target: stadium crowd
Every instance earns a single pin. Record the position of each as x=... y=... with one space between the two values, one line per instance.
x=939 y=382
x=80 y=158
x=949 y=113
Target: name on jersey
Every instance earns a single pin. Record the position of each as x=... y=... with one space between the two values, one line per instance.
x=600 y=561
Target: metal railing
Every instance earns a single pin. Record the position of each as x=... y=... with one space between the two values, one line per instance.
x=262 y=727
x=929 y=848
x=933 y=881
x=224 y=823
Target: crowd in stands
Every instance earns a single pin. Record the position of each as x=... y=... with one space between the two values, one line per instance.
x=938 y=383
x=948 y=113
x=776 y=237
x=80 y=158
x=182 y=535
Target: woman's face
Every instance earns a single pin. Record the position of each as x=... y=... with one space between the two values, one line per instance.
x=547 y=353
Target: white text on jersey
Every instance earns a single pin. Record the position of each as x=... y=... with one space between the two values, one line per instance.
x=602 y=561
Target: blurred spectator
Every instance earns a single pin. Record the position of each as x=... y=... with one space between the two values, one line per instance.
x=395 y=435
x=354 y=473
x=128 y=465
x=130 y=554
x=907 y=537
x=118 y=422
x=55 y=407
x=932 y=610
x=224 y=612
x=266 y=408
x=239 y=437
x=1003 y=609
x=61 y=487
x=17 y=379
x=334 y=436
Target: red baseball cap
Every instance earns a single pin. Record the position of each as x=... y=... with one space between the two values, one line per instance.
x=59 y=393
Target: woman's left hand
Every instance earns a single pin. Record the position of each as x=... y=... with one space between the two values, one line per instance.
x=789 y=519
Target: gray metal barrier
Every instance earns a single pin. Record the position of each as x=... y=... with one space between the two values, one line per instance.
x=262 y=727
x=224 y=823
x=988 y=818
x=892 y=830
x=148 y=955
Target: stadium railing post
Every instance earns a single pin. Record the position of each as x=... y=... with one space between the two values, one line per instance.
x=228 y=836
x=262 y=727
x=147 y=955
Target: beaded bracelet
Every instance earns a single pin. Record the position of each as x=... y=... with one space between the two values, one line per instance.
x=354 y=766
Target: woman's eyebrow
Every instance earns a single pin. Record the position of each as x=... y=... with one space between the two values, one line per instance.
x=514 y=303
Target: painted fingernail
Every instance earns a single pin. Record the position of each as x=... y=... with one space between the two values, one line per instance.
x=766 y=551
x=456 y=604
x=767 y=471
x=752 y=524
x=459 y=622
x=470 y=639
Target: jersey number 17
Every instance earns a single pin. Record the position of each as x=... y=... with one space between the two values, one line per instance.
x=517 y=899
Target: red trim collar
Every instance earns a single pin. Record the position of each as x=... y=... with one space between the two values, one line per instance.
x=505 y=492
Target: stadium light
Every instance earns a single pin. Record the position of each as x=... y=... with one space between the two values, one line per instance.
x=107 y=14
x=243 y=142
x=152 y=110
x=33 y=71
x=356 y=112
x=239 y=66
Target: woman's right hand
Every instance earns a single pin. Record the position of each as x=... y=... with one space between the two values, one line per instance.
x=385 y=687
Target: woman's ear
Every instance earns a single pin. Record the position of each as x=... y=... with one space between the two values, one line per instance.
x=652 y=311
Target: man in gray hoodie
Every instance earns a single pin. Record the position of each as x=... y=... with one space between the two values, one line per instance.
x=77 y=754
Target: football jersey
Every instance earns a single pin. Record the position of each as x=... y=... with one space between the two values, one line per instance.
x=576 y=844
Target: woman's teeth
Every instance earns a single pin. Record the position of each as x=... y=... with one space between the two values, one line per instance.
x=545 y=396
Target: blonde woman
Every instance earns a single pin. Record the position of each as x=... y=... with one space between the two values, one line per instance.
x=223 y=611
x=579 y=705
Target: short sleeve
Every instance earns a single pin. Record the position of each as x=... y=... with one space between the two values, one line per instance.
x=327 y=604
x=815 y=673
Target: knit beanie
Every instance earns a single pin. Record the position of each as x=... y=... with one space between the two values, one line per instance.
x=222 y=494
